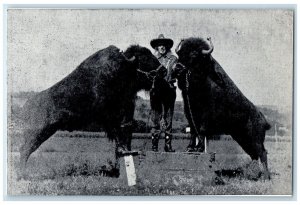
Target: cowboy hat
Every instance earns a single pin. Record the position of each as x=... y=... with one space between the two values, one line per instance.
x=161 y=40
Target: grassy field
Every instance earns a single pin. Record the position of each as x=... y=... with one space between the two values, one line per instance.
x=66 y=165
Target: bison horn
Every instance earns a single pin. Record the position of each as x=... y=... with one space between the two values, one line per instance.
x=178 y=46
x=131 y=59
x=211 y=48
x=128 y=59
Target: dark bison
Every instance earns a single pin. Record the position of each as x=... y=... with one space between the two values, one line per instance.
x=101 y=89
x=213 y=103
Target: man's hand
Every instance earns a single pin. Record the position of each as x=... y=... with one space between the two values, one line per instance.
x=152 y=73
x=178 y=69
x=161 y=72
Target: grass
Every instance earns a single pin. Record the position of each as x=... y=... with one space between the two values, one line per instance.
x=72 y=166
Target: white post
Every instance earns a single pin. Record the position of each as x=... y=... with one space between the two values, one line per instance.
x=187 y=129
x=205 y=145
x=130 y=170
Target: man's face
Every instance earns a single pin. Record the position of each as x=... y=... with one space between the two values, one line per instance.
x=161 y=49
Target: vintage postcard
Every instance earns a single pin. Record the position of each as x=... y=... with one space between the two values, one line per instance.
x=149 y=102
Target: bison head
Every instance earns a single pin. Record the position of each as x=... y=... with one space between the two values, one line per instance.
x=195 y=56
x=144 y=62
x=194 y=52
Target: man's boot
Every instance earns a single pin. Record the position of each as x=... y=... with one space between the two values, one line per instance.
x=168 y=142
x=121 y=148
x=155 y=139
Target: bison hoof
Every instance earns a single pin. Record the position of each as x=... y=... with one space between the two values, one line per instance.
x=154 y=149
x=169 y=149
x=121 y=150
x=190 y=149
x=266 y=175
x=199 y=147
x=219 y=181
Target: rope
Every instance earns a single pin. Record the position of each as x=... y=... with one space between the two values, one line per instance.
x=148 y=73
x=189 y=105
x=152 y=78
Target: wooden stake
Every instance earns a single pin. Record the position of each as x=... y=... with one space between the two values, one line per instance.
x=205 y=145
x=130 y=170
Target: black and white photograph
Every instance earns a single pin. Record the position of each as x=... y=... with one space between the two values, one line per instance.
x=150 y=101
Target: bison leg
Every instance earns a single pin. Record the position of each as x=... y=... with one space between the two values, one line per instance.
x=253 y=145
x=126 y=134
x=264 y=161
x=261 y=151
x=192 y=144
x=200 y=147
x=195 y=146
x=120 y=140
x=127 y=123
x=33 y=139
x=187 y=112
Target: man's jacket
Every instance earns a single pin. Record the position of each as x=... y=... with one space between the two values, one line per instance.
x=168 y=61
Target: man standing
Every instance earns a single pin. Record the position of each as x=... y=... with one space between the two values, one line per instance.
x=163 y=94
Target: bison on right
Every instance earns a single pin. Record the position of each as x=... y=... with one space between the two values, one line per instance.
x=214 y=105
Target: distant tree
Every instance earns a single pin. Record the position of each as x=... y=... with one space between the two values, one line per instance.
x=140 y=126
x=275 y=117
x=142 y=114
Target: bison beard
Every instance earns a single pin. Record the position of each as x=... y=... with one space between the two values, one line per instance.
x=101 y=89
x=213 y=103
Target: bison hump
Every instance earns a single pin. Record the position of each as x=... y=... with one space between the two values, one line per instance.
x=105 y=56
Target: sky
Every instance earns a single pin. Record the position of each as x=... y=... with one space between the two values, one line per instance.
x=254 y=47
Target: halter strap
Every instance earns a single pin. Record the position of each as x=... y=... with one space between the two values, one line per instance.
x=148 y=73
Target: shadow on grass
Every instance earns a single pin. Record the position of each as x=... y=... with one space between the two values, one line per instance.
x=85 y=170
x=251 y=171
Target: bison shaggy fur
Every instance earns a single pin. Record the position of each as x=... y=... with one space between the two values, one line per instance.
x=213 y=103
x=102 y=90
